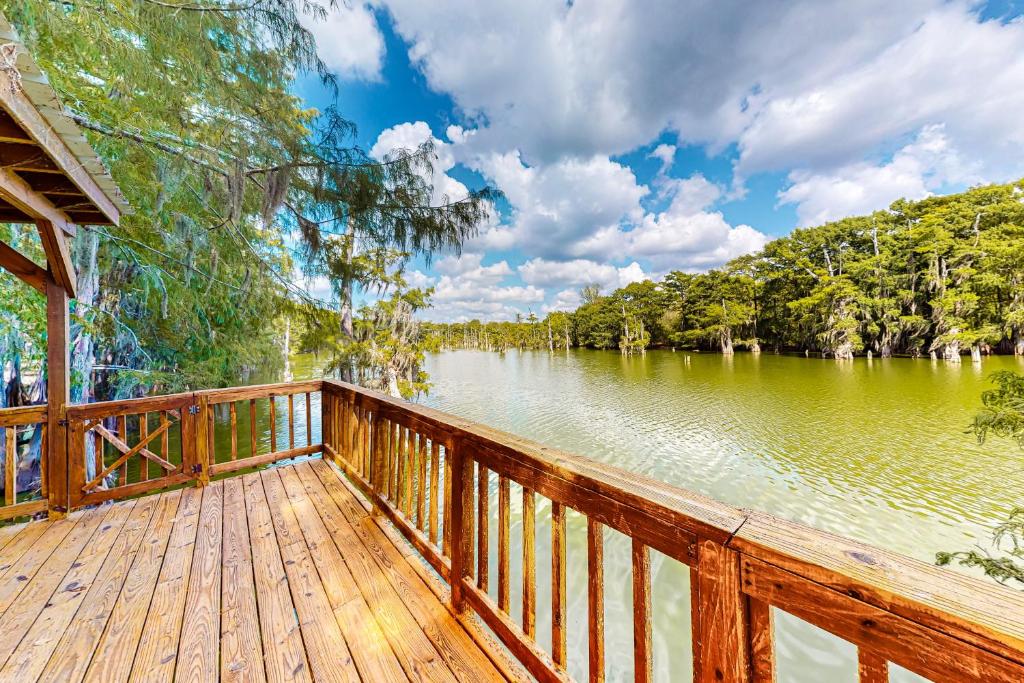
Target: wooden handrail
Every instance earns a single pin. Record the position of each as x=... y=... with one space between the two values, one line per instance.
x=933 y=621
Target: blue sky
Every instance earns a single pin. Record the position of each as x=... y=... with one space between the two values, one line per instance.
x=631 y=141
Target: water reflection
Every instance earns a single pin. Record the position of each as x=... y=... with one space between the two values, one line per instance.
x=873 y=450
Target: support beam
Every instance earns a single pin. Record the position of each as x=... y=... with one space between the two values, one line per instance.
x=22 y=268
x=58 y=395
x=58 y=256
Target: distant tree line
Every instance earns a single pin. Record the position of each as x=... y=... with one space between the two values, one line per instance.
x=942 y=276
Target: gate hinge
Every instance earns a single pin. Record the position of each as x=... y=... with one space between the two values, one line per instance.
x=193 y=410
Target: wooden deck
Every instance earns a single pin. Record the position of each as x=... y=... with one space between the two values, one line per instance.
x=279 y=575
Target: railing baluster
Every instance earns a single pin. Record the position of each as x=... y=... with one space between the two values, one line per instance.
x=762 y=639
x=234 y=431
x=529 y=564
x=395 y=463
x=97 y=453
x=435 y=475
x=595 y=600
x=379 y=451
x=421 y=481
x=504 y=523
x=483 y=540
x=447 y=538
x=459 y=503
x=642 y=661
x=408 y=449
x=309 y=420
x=43 y=468
x=273 y=424
x=211 y=441
x=364 y=437
x=291 y=421
x=252 y=427
x=165 y=439
x=10 y=472
x=143 y=433
x=122 y=426
x=470 y=520
x=558 y=583
x=389 y=452
x=872 y=668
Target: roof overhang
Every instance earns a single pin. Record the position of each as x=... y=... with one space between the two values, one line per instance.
x=49 y=174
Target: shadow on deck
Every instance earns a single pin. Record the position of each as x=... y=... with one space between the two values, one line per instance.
x=277 y=575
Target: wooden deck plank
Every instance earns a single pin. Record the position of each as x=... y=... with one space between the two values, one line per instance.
x=30 y=601
x=71 y=656
x=284 y=655
x=18 y=574
x=21 y=543
x=8 y=532
x=463 y=656
x=241 y=650
x=414 y=649
x=156 y=656
x=199 y=648
x=246 y=579
x=374 y=658
x=329 y=656
x=510 y=667
x=31 y=654
x=464 y=653
x=112 y=660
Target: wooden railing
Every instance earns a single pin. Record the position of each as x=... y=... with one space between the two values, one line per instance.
x=119 y=449
x=444 y=481
x=433 y=476
x=22 y=432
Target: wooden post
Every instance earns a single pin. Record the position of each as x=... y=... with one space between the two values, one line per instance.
x=199 y=467
x=58 y=395
x=721 y=615
x=327 y=401
x=460 y=509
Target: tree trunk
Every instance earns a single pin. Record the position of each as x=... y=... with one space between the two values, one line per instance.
x=975 y=353
x=83 y=349
x=844 y=351
x=725 y=341
x=755 y=346
x=1018 y=347
x=951 y=351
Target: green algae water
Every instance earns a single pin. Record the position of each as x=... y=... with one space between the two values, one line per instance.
x=874 y=450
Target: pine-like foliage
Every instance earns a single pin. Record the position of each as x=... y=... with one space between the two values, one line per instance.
x=191 y=105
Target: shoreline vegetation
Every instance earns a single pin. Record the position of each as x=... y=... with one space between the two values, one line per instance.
x=941 y=277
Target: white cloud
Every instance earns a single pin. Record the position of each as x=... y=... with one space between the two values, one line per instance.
x=349 y=41
x=568 y=78
x=579 y=272
x=417 y=279
x=813 y=84
x=949 y=69
x=408 y=137
x=565 y=300
x=914 y=172
x=557 y=207
x=687 y=235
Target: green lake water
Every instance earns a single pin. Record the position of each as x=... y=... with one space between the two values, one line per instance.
x=874 y=450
